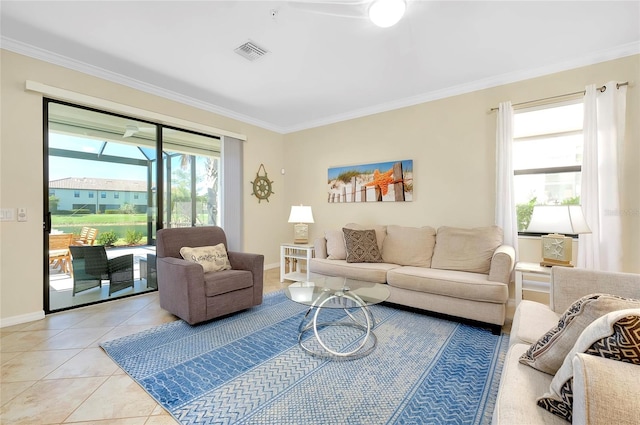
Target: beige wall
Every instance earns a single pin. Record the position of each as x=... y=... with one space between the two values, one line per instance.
x=21 y=175
x=452 y=145
x=451 y=142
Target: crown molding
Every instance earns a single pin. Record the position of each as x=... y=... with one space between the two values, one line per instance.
x=56 y=59
x=75 y=65
x=499 y=80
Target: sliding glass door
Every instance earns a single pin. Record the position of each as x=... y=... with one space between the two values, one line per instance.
x=103 y=184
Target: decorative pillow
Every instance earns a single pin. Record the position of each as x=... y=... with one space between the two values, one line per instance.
x=409 y=246
x=381 y=231
x=467 y=250
x=211 y=258
x=362 y=246
x=613 y=336
x=548 y=353
x=335 y=245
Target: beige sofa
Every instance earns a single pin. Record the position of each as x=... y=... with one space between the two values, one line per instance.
x=454 y=271
x=604 y=391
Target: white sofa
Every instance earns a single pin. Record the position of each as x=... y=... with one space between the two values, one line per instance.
x=604 y=391
x=458 y=272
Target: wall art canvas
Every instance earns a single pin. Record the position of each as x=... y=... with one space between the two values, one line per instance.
x=378 y=182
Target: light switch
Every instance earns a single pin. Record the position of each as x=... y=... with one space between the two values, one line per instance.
x=7 y=214
x=22 y=214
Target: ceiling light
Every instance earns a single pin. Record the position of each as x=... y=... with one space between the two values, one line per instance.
x=386 y=13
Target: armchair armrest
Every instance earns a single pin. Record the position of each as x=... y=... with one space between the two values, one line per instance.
x=181 y=289
x=253 y=263
x=502 y=263
x=605 y=391
x=570 y=284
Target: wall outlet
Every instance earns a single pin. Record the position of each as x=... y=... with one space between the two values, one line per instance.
x=7 y=214
x=22 y=214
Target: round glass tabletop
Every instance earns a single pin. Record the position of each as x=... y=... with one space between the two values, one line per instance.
x=345 y=290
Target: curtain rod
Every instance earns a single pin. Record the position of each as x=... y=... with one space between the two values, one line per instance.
x=600 y=89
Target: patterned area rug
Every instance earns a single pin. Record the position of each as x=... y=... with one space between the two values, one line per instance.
x=249 y=369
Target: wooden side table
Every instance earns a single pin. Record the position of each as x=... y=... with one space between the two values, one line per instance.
x=290 y=256
x=522 y=269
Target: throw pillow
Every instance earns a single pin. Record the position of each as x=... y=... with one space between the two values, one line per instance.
x=211 y=258
x=615 y=335
x=409 y=246
x=335 y=245
x=381 y=231
x=362 y=246
x=548 y=353
x=467 y=250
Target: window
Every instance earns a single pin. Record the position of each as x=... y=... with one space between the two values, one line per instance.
x=103 y=195
x=76 y=193
x=116 y=195
x=91 y=195
x=547 y=157
x=136 y=196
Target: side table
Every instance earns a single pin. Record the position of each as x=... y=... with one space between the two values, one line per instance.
x=290 y=256
x=522 y=269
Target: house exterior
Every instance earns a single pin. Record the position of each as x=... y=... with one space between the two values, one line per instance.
x=98 y=195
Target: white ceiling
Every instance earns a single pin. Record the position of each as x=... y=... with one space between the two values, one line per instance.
x=326 y=61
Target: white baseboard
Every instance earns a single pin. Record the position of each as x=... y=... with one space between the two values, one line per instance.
x=23 y=318
x=271 y=266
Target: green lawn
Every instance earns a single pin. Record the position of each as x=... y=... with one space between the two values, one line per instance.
x=97 y=219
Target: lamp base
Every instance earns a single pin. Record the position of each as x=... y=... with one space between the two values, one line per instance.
x=301 y=233
x=547 y=262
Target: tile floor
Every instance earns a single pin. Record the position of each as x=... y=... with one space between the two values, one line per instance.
x=53 y=371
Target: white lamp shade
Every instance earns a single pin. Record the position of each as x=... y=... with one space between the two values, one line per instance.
x=561 y=219
x=386 y=13
x=301 y=214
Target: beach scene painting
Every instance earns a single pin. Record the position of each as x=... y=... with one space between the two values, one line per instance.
x=378 y=182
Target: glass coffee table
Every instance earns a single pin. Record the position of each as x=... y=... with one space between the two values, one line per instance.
x=350 y=295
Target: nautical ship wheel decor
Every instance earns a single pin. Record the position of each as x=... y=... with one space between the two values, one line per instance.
x=262 y=185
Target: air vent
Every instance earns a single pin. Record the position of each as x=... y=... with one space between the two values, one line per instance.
x=250 y=51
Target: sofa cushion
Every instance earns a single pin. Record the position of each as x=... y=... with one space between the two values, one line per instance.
x=211 y=258
x=381 y=231
x=335 y=245
x=370 y=272
x=409 y=246
x=531 y=321
x=467 y=250
x=615 y=335
x=361 y=246
x=463 y=285
x=548 y=353
x=520 y=386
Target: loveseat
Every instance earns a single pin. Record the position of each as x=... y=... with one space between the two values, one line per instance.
x=605 y=391
x=455 y=271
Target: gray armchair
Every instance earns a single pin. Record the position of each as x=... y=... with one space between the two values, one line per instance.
x=188 y=292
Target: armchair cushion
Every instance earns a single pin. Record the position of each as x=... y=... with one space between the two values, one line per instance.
x=211 y=258
x=615 y=336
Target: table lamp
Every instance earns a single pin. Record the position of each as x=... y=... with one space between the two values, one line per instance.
x=301 y=215
x=559 y=220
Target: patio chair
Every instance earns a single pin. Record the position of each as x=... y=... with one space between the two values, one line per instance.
x=59 y=251
x=88 y=236
x=91 y=266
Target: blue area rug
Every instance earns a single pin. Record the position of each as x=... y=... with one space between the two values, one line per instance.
x=249 y=369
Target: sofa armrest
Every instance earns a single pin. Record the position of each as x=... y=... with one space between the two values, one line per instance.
x=181 y=288
x=320 y=248
x=570 y=284
x=502 y=263
x=605 y=391
x=253 y=263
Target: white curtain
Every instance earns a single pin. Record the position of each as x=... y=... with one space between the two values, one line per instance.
x=505 y=200
x=604 y=123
